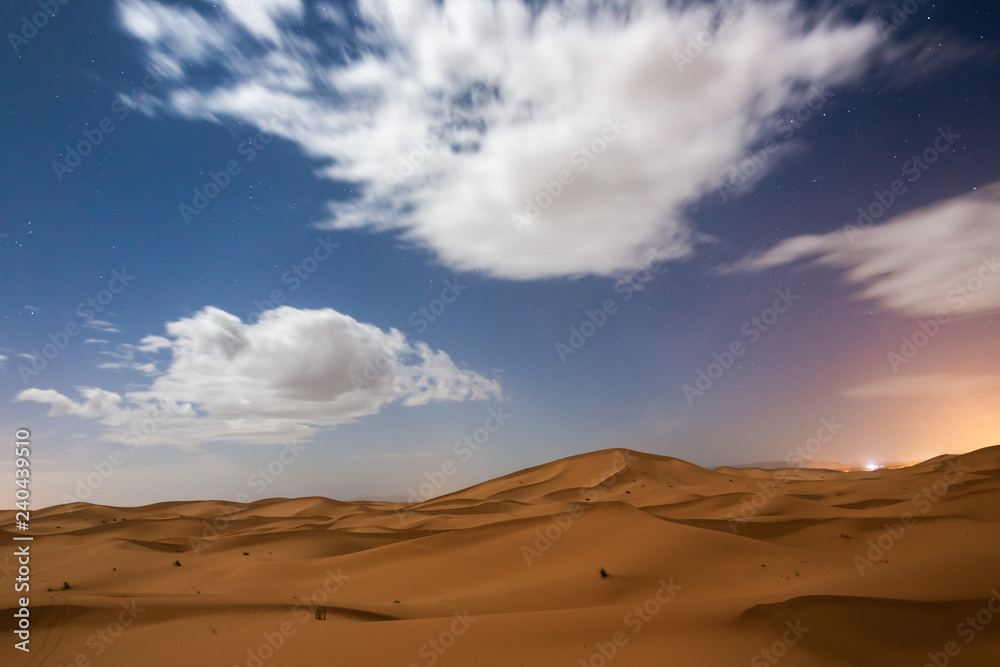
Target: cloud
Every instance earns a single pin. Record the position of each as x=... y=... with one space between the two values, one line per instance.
x=3 y=359
x=450 y=119
x=261 y=17
x=287 y=375
x=97 y=403
x=147 y=368
x=102 y=326
x=934 y=385
x=95 y=341
x=153 y=344
x=941 y=258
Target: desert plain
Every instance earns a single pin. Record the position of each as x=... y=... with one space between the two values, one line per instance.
x=613 y=557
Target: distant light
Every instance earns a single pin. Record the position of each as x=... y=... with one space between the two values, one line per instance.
x=873 y=466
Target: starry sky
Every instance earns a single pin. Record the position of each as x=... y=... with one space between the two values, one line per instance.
x=264 y=248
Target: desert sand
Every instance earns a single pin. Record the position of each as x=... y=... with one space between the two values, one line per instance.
x=612 y=557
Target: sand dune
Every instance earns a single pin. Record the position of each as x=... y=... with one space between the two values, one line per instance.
x=725 y=567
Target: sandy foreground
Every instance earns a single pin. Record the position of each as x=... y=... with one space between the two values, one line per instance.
x=725 y=567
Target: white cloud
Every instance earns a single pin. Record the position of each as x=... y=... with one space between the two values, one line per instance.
x=123 y=358
x=513 y=98
x=942 y=257
x=98 y=403
x=102 y=325
x=172 y=30
x=261 y=17
x=287 y=375
x=153 y=344
x=3 y=359
x=95 y=341
x=933 y=385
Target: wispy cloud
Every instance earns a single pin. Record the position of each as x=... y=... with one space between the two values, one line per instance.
x=942 y=258
x=102 y=325
x=449 y=118
x=934 y=385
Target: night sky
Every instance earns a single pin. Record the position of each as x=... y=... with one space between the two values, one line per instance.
x=359 y=244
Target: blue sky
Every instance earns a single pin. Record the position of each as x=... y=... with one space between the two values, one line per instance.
x=372 y=230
